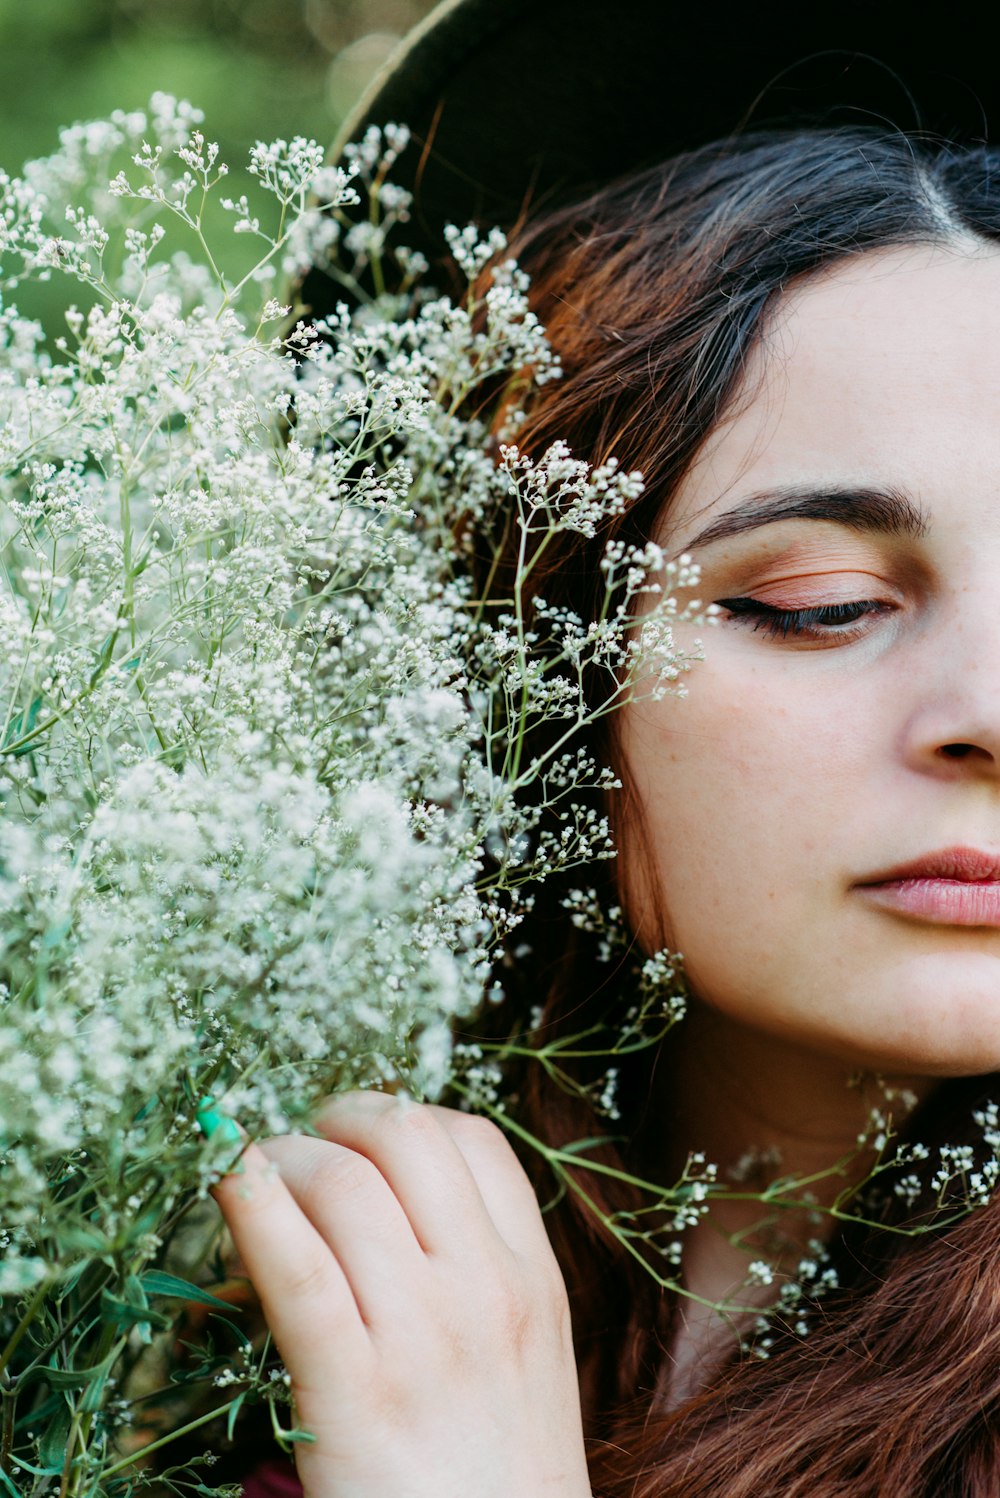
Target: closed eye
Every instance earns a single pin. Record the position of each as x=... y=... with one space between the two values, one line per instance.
x=828 y=622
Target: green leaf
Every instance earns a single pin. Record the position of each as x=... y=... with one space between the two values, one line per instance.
x=155 y=1283
x=237 y=1331
x=55 y=935
x=93 y=1394
x=123 y=1314
x=59 y=598
x=104 y=658
x=52 y=1447
x=24 y=1466
x=286 y=1439
x=234 y=1410
x=577 y=1146
x=72 y=1278
x=78 y=1378
x=86 y=1239
x=135 y=1295
x=22 y=724
x=67 y=1378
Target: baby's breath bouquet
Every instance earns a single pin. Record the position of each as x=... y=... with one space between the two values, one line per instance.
x=267 y=808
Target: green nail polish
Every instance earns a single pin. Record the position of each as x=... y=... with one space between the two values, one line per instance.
x=217 y=1125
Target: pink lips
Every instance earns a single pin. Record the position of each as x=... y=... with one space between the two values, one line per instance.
x=954 y=887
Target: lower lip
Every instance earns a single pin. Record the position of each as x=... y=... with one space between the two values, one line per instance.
x=948 y=902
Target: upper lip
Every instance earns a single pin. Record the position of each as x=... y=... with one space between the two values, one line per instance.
x=968 y=864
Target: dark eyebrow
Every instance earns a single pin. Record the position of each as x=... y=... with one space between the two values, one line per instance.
x=884 y=510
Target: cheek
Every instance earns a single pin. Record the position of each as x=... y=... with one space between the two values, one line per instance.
x=734 y=837
x=756 y=804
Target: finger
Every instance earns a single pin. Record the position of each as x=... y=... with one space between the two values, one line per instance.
x=305 y=1295
x=508 y=1193
x=419 y=1160
x=460 y=1185
x=356 y=1213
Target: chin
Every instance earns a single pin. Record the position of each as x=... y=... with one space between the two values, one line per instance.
x=908 y=1063
x=937 y=1016
x=970 y=1062
x=950 y=1050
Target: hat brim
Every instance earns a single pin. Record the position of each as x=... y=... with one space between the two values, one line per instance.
x=515 y=104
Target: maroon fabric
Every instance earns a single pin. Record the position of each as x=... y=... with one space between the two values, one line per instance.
x=274 y=1479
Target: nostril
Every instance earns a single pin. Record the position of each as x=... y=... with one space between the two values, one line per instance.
x=957 y=751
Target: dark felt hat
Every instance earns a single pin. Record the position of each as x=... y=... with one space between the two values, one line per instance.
x=517 y=103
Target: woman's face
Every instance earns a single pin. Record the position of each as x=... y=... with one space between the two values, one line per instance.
x=816 y=755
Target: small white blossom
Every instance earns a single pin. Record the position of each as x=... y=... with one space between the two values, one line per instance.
x=271 y=810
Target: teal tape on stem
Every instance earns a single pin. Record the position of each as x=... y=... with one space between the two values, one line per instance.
x=214 y=1124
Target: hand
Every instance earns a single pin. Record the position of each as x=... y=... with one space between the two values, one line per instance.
x=409 y=1284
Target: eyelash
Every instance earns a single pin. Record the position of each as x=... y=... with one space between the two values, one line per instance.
x=814 y=624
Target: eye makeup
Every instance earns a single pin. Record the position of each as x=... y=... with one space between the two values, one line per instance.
x=808 y=584
x=830 y=622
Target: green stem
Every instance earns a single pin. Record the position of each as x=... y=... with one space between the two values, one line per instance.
x=8 y=1395
x=22 y=1327
x=67 y=1468
x=125 y=511
x=375 y=263
x=181 y=1430
x=484 y=601
x=70 y=1325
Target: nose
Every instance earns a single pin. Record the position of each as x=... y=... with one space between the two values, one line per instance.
x=954 y=728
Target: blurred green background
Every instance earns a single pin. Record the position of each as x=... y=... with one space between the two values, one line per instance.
x=258 y=68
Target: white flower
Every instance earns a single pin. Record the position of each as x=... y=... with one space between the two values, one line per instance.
x=270 y=808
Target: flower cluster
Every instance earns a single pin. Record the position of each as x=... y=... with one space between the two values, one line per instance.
x=268 y=802
x=279 y=778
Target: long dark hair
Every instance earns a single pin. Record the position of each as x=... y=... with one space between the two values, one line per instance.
x=654 y=292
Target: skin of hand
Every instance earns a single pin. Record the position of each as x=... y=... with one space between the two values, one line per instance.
x=408 y=1281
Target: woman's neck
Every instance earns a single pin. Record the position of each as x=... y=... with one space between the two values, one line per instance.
x=759 y=1108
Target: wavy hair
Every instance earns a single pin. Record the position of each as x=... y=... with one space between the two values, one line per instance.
x=654 y=292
